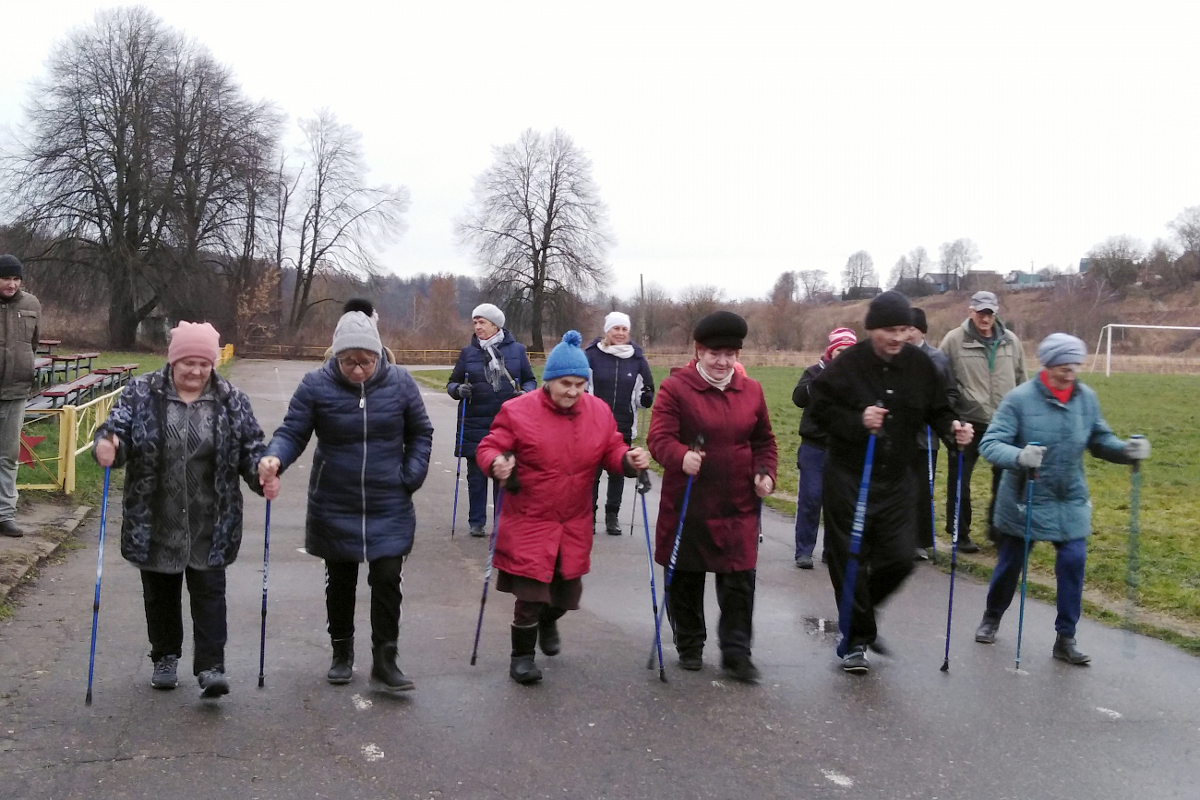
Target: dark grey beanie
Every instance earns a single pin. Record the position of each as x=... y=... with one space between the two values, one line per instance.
x=888 y=310
x=11 y=267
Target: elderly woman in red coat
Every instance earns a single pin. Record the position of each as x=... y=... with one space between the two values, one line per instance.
x=555 y=439
x=732 y=471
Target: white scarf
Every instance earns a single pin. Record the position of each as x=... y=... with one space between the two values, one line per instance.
x=495 y=366
x=618 y=350
x=719 y=384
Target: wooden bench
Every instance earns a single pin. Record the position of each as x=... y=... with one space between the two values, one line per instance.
x=46 y=346
x=116 y=376
x=42 y=366
x=76 y=392
x=73 y=363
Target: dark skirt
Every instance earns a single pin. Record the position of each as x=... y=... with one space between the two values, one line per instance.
x=559 y=592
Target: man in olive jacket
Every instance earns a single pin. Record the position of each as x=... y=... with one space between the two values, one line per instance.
x=988 y=363
x=20 y=313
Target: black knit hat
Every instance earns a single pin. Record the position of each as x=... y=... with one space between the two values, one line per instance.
x=10 y=267
x=918 y=320
x=888 y=310
x=721 y=329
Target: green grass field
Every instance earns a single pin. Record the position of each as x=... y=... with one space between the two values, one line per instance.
x=1162 y=407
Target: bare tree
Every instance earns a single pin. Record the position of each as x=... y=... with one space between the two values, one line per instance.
x=1165 y=263
x=1186 y=228
x=859 y=272
x=813 y=282
x=341 y=217
x=901 y=273
x=654 y=308
x=1116 y=261
x=957 y=258
x=697 y=302
x=537 y=228
x=781 y=315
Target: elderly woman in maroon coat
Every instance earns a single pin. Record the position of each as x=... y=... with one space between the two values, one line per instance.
x=555 y=439
x=732 y=471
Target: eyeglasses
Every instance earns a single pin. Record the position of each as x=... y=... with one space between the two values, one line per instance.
x=351 y=364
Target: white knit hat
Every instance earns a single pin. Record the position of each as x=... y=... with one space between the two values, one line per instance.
x=614 y=319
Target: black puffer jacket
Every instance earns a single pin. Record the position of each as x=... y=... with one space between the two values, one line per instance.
x=616 y=382
x=373 y=444
x=810 y=432
x=485 y=401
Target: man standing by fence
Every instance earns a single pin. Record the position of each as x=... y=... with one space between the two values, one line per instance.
x=21 y=313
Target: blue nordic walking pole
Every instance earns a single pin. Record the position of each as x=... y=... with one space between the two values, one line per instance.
x=856 y=534
x=512 y=485
x=462 y=420
x=1032 y=478
x=953 y=557
x=99 y=574
x=932 y=513
x=687 y=493
x=644 y=487
x=262 y=641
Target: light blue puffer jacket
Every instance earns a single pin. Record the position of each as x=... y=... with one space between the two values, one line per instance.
x=1062 y=506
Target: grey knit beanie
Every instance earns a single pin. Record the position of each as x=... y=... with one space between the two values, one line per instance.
x=356 y=331
x=489 y=312
x=1061 y=348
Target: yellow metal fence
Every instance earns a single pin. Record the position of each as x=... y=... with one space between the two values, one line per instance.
x=76 y=427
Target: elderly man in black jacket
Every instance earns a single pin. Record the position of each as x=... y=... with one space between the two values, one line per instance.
x=887 y=388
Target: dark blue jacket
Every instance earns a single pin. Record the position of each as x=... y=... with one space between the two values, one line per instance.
x=614 y=381
x=485 y=402
x=373 y=444
x=137 y=419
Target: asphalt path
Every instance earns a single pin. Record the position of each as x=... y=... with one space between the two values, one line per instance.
x=600 y=725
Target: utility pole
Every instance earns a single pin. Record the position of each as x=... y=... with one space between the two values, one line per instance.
x=642 y=304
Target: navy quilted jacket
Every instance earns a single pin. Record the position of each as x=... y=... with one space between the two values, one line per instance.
x=137 y=420
x=485 y=402
x=615 y=381
x=373 y=444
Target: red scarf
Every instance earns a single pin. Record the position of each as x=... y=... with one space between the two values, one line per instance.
x=1061 y=395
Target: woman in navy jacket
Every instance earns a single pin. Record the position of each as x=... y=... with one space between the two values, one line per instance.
x=373 y=445
x=621 y=378
x=491 y=369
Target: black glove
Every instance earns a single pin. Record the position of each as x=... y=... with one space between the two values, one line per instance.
x=647 y=397
x=465 y=391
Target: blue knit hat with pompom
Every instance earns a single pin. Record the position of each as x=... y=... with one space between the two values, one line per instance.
x=567 y=359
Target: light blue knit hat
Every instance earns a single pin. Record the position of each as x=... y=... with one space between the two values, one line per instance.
x=567 y=359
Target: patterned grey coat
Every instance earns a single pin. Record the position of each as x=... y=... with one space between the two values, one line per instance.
x=138 y=418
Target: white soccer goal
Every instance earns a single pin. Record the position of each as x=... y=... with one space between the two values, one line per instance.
x=1108 y=350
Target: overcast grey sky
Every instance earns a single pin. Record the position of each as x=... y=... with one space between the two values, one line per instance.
x=733 y=141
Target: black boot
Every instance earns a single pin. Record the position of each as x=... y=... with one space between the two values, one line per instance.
x=986 y=632
x=548 y=638
x=612 y=525
x=342 y=669
x=385 y=675
x=521 y=667
x=1065 y=650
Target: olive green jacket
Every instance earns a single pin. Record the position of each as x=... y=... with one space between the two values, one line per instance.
x=19 y=321
x=984 y=373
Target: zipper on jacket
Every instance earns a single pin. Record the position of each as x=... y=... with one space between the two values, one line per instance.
x=362 y=475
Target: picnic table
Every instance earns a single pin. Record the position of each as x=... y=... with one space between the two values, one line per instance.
x=46 y=346
x=72 y=364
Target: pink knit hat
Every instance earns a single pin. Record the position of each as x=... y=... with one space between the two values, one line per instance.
x=839 y=337
x=194 y=340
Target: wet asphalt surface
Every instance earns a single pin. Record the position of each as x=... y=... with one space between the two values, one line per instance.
x=600 y=725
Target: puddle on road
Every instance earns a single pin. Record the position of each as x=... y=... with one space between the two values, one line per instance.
x=826 y=629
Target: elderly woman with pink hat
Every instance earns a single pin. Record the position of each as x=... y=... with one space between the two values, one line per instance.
x=184 y=435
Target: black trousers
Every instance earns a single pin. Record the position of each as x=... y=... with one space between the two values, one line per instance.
x=163 y=596
x=685 y=610
x=970 y=456
x=384 y=575
x=885 y=556
x=924 y=498
x=616 y=489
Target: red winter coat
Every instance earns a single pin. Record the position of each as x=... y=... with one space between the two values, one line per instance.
x=558 y=452
x=720 y=533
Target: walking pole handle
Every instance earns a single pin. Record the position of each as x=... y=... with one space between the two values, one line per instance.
x=643 y=481
x=1137 y=465
x=512 y=483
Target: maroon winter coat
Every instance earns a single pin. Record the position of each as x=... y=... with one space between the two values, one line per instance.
x=558 y=452
x=720 y=533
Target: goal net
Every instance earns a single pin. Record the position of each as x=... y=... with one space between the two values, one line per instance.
x=1107 y=331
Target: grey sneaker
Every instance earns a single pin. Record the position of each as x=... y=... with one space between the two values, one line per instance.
x=855 y=660
x=213 y=682
x=804 y=562
x=165 y=670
